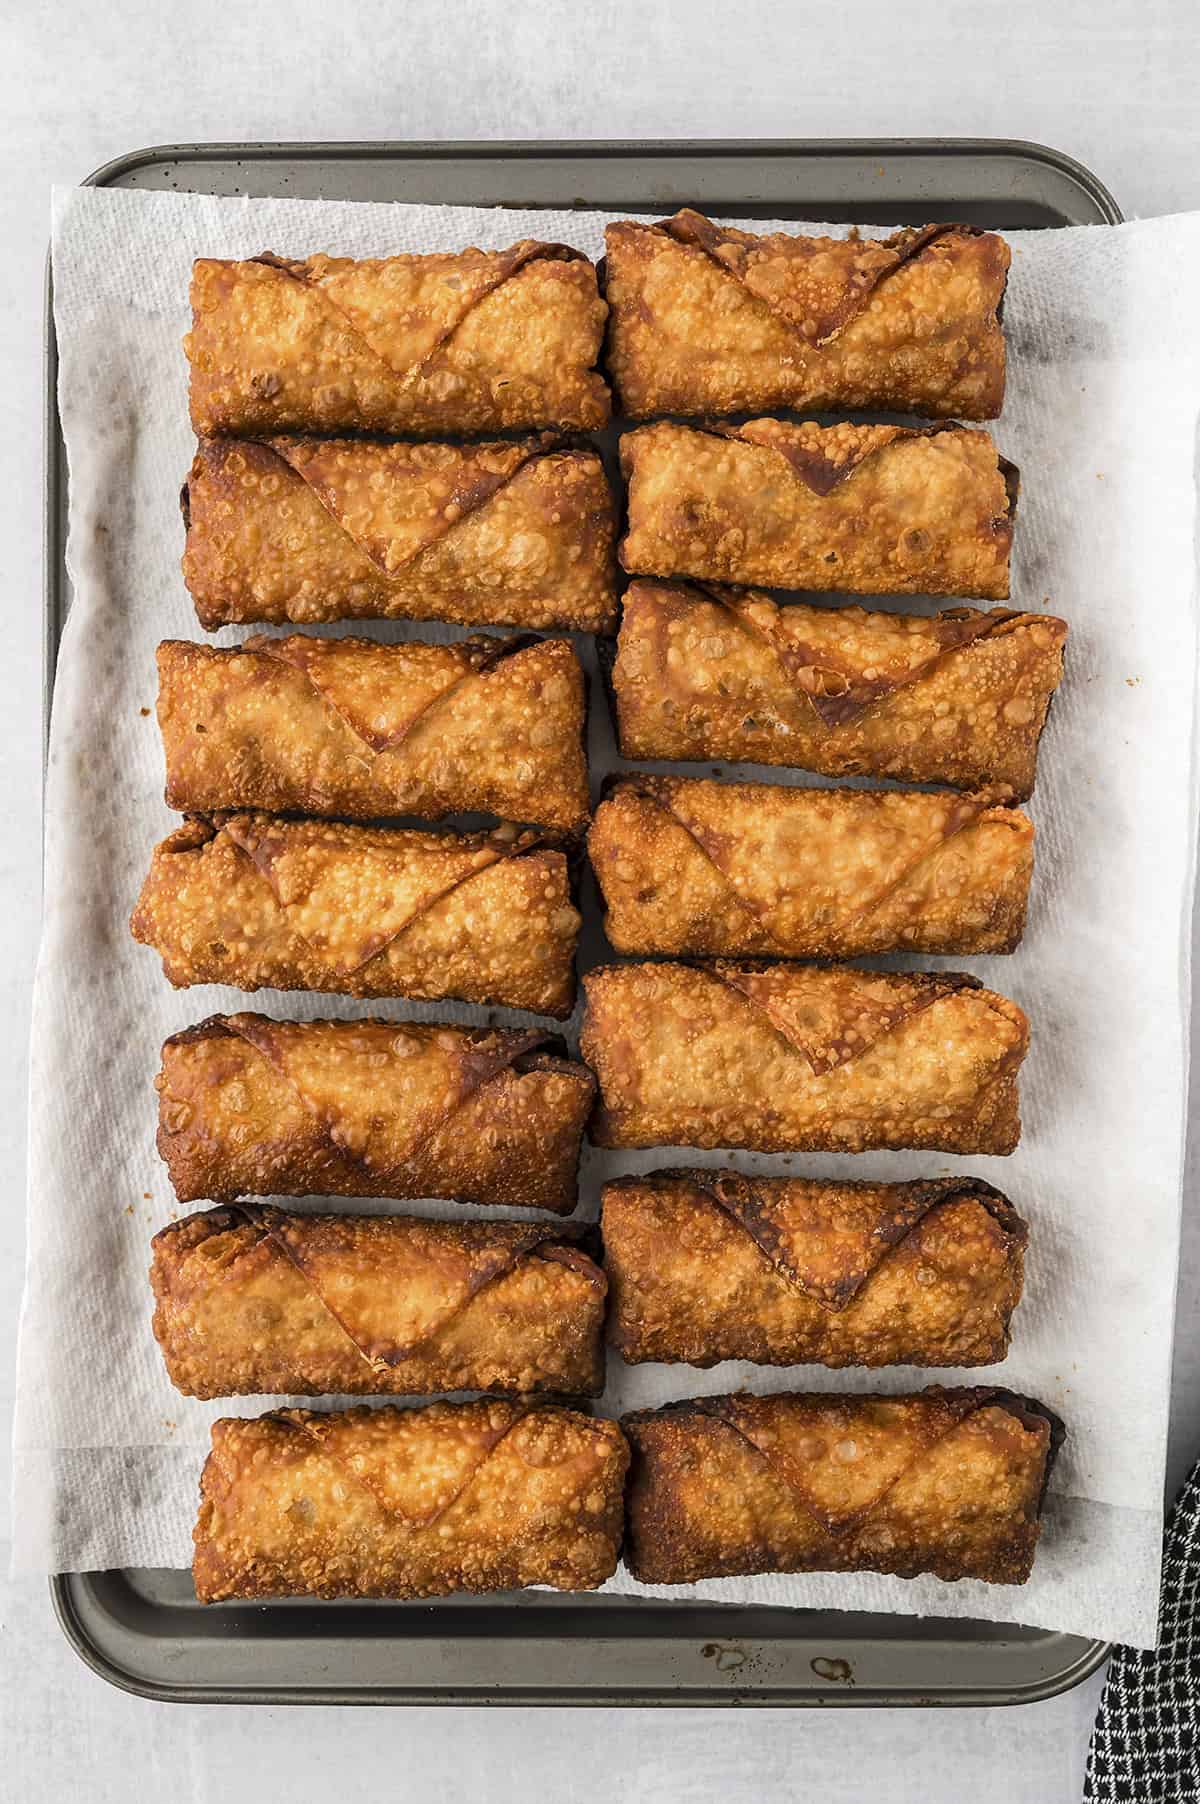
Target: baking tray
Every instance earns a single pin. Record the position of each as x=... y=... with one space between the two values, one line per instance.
x=143 y=1630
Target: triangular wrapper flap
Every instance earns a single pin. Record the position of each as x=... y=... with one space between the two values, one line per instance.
x=395 y=500
x=843 y=1455
x=846 y=858
x=415 y=1463
x=823 y=457
x=381 y=700
x=350 y=891
x=815 y=647
x=392 y=1293
x=826 y=1239
x=833 y=1015
x=404 y=308
x=816 y=285
x=421 y=1074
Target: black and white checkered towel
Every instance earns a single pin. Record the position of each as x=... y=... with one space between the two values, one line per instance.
x=1146 y=1742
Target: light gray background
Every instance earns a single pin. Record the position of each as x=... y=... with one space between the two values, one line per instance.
x=1114 y=83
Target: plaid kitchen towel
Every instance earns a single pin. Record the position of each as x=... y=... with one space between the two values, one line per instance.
x=1146 y=1742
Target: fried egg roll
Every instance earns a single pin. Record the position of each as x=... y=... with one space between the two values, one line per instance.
x=801 y=1058
x=707 y=319
x=400 y=1503
x=947 y=1482
x=457 y=342
x=687 y=865
x=250 y=1299
x=254 y=901
x=305 y=530
x=710 y=1265
x=403 y=1109
x=351 y=727
x=879 y=510
x=716 y=673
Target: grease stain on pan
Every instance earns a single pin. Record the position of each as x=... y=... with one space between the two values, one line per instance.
x=728 y=1655
x=837 y=1672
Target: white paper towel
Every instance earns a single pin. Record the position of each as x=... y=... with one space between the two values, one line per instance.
x=1101 y=415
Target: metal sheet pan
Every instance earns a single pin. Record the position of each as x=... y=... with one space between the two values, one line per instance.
x=143 y=1630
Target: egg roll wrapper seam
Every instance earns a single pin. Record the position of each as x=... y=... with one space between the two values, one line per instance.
x=695 y=867
x=308 y=530
x=704 y=672
x=370 y=1108
x=251 y=1300
x=947 y=1482
x=801 y=1058
x=907 y=512
x=349 y=727
x=705 y=319
x=457 y=343
x=255 y=900
x=474 y=1497
x=711 y=1266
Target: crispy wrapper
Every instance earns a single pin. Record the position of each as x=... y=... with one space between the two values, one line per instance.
x=707 y=319
x=878 y=510
x=402 y=1503
x=256 y=901
x=351 y=727
x=718 y=673
x=690 y=866
x=250 y=1299
x=948 y=1482
x=801 y=1058
x=710 y=1265
x=309 y=530
x=402 y=1109
x=465 y=342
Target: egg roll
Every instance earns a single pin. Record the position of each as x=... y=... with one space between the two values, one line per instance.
x=710 y=1265
x=406 y=1503
x=354 y=728
x=252 y=900
x=801 y=1058
x=707 y=319
x=457 y=342
x=252 y=1300
x=878 y=510
x=959 y=697
x=403 y=1109
x=686 y=865
x=309 y=530
x=947 y=1482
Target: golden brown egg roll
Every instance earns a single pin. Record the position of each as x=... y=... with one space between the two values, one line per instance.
x=948 y=1482
x=250 y=1299
x=708 y=319
x=717 y=673
x=690 y=866
x=711 y=1265
x=351 y=727
x=306 y=530
x=879 y=510
x=252 y=1106
x=468 y=341
x=401 y=1503
x=257 y=901
x=801 y=1058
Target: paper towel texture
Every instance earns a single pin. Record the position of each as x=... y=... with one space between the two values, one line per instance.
x=1101 y=416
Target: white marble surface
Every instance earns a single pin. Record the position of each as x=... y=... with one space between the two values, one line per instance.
x=1115 y=85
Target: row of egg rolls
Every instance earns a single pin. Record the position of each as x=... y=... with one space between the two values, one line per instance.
x=309 y=530
x=703 y=1266
x=498 y=1494
x=702 y=319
